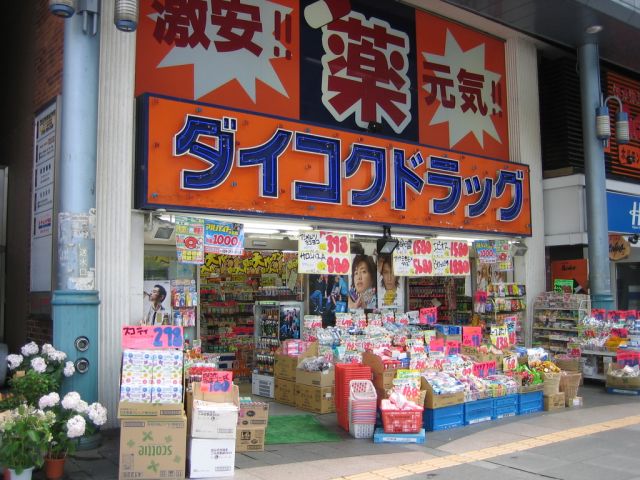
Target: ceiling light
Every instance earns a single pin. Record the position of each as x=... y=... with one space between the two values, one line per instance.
x=592 y=29
x=265 y=231
x=387 y=244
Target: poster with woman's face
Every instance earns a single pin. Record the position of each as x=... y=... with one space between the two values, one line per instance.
x=362 y=284
x=390 y=286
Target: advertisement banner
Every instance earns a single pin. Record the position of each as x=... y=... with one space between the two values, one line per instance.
x=485 y=251
x=429 y=258
x=223 y=237
x=324 y=252
x=209 y=159
x=190 y=240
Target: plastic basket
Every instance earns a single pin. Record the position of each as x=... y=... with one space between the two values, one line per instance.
x=569 y=383
x=362 y=430
x=362 y=390
x=402 y=421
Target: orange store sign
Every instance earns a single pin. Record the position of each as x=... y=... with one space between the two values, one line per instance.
x=210 y=159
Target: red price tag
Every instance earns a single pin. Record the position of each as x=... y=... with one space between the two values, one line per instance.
x=436 y=345
x=453 y=348
x=471 y=336
x=150 y=337
x=217 y=381
x=337 y=243
x=338 y=265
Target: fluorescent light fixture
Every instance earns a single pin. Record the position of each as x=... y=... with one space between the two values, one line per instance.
x=349 y=232
x=264 y=231
x=276 y=226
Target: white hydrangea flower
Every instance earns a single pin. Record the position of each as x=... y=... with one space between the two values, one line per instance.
x=81 y=406
x=57 y=356
x=14 y=361
x=38 y=364
x=76 y=426
x=29 y=349
x=97 y=414
x=47 y=348
x=69 y=369
x=70 y=400
x=49 y=400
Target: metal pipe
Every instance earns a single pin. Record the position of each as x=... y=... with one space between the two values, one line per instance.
x=595 y=179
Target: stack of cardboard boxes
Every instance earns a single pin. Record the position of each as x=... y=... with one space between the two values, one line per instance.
x=311 y=391
x=153 y=427
x=252 y=425
x=213 y=420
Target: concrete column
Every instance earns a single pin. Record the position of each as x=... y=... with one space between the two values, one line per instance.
x=595 y=179
x=525 y=147
x=114 y=199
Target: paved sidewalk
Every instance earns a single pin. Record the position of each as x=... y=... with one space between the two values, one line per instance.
x=349 y=457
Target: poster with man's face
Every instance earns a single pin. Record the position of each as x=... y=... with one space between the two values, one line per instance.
x=390 y=286
x=362 y=284
x=152 y=295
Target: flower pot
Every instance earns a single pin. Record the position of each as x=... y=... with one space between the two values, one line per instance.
x=54 y=468
x=24 y=475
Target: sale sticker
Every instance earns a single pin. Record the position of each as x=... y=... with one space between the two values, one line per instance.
x=147 y=337
x=471 y=336
x=223 y=237
x=429 y=316
x=324 y=253
x=216 y=381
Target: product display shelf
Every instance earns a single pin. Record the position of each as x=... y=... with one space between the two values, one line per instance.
x=556 y=318
x=438 y=291
x=267 y=338
x=505 y=304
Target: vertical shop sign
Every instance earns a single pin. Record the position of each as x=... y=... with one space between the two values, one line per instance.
x=426 y=258
x=223 y=237
x=42 y=211
x=190 y=240
x=324 y=253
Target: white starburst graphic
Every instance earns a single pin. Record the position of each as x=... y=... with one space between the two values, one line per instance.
x=212 y=69
x=461 y=122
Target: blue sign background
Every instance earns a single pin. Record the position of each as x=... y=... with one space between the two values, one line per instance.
x=623 y=212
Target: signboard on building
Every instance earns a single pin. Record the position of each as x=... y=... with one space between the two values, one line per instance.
x=372 y=66
x=42 y=205
x=206 y=158
x=623 y=212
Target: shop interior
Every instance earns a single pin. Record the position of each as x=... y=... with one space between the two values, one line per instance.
x=242 y=307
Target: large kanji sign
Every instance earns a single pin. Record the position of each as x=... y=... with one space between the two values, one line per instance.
x=203 y=158
x=372 y=65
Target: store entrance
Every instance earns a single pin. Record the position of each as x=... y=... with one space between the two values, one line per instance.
x=628 y=286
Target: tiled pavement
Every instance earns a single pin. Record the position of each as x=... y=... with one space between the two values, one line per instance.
x=531 y=446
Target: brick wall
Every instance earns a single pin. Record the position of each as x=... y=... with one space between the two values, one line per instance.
x=48 y=61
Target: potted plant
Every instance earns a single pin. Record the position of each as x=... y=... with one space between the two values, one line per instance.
x=35 y=372
x=73 y=418
x=25 y=434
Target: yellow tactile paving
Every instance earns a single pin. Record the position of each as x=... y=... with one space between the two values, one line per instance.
x=437 y=463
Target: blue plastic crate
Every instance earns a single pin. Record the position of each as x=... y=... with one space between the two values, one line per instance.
x=622 y=391
x=379 y=436
x=478 y=411
x=443 y=418
x=506 y=406
x=530 y=402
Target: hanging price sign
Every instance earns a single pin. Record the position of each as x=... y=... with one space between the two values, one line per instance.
x=425 y=258
x=149 y=337
x=324 y=253
x=223 y=237
x=216 y=381
x=190 y=240
x=485 y=251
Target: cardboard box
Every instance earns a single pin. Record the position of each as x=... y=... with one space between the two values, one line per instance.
x=433 y=400
x=150 y=410
x=152 y=449
x=253 y=414
x=315 y=399
x=285 y=392
x=285 y=367
x=382 y=378
x=316 y=379
x=213 y=419
x=622 y=383
x=554 y=402
x=211 y=457
x=232 y=396
x=250 y=439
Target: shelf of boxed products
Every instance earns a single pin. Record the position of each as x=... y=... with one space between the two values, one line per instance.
x=556 y=319
x=441 y=289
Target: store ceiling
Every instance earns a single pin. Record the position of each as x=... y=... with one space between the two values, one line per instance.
x=563 y=22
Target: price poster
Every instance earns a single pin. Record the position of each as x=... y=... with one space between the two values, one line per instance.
x=500 y=336
x=427 y=258
x=223 y=237
x=429 y=316
x=485 y=251
x=149 y=337
x=190 y=240
x=505 y=260
x=324 y=253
